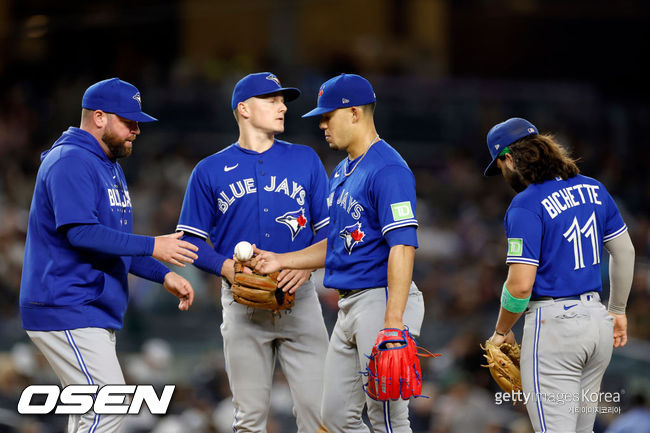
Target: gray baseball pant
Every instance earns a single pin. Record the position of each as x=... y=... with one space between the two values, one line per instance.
x=252 y=341
x=566 y=348
x=83 y=356
x=360 y=318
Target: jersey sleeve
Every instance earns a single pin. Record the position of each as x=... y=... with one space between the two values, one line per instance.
x=209 y=260
x=148 y=268
x=614 y=224
x=102 y=239
x=524 y=233
x=318 y=200
x=394 y=198
x=198 y=214
x=73 y=192
x=402 y=236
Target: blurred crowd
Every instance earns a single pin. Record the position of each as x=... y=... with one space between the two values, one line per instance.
x=439 y=127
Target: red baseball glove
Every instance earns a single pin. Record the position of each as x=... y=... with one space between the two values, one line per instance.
x=394 y=373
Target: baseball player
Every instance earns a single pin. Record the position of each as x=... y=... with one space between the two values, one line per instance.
x=556 y=226
x=271 y=193
x=368 y=254
x=80 y=247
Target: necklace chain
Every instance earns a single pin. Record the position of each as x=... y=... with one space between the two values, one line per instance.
x=362 y=156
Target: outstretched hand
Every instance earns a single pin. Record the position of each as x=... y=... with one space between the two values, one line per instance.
x=290 y=279
x=266 y=261
x=181 y=288
x=171 y=249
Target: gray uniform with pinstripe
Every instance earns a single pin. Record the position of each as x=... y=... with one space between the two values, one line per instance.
x=575 y=338
x=360 y=318
x=83 y=356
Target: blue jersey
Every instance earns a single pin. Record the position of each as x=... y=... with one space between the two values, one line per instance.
x=275 y=199
x=63 y=287
x=377 y=196
x=560 y=227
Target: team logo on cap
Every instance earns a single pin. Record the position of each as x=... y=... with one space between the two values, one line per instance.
x=531 y=130
x=345 y=100
x=320 y=92
x=138 y=98
x=274 y=79
x=295 y=220
x=351 y=236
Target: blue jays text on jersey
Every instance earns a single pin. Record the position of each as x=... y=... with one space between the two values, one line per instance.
x=63 y=288
x=364 y=207
x=119 y=197
x=560 y=226
x=347 y=202
x=275 y=199
x=239 y=188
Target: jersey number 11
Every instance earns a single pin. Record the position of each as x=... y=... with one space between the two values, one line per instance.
x=575 y=233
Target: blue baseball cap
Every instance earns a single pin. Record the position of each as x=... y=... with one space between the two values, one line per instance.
x=343 y=91
x=503 y=135
x=117 y=97
x=261 y=83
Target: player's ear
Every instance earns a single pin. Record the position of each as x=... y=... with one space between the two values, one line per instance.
x=242 y=109
x=356 y=114
x=509 y=161
x=100 y=118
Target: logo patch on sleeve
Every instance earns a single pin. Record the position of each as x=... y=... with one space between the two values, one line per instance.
x=401 y=211
x=515 y=246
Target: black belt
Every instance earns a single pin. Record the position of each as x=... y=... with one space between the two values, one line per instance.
x=348 y=293
x=550 y=298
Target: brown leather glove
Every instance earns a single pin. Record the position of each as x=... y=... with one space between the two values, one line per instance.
x=259 y=290
x=503 y=362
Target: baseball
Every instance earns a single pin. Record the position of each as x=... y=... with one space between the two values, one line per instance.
x=243 y=251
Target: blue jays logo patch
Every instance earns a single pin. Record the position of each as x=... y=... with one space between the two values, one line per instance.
x=352 y=235
x=138 y=98
x=295 y=220
x=274 y=79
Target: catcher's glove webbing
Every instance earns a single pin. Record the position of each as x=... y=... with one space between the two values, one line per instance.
x=503 y=362
x=395 y=372
x=260 y=290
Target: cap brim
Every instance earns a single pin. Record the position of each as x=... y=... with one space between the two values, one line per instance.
x=318 y=111
x=138 y=116
x=492 y=169
x=289 y=93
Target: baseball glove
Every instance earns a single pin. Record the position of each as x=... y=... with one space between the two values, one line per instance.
x=260 y=290
x=503 y=362
x=394 y=373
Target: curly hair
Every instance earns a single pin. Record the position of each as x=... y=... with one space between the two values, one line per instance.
x=539 y=158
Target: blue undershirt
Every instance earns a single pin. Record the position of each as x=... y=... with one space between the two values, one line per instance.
x=102 y=239
x=209 y=260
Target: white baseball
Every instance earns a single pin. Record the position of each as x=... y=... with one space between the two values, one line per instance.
x=243 y=251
